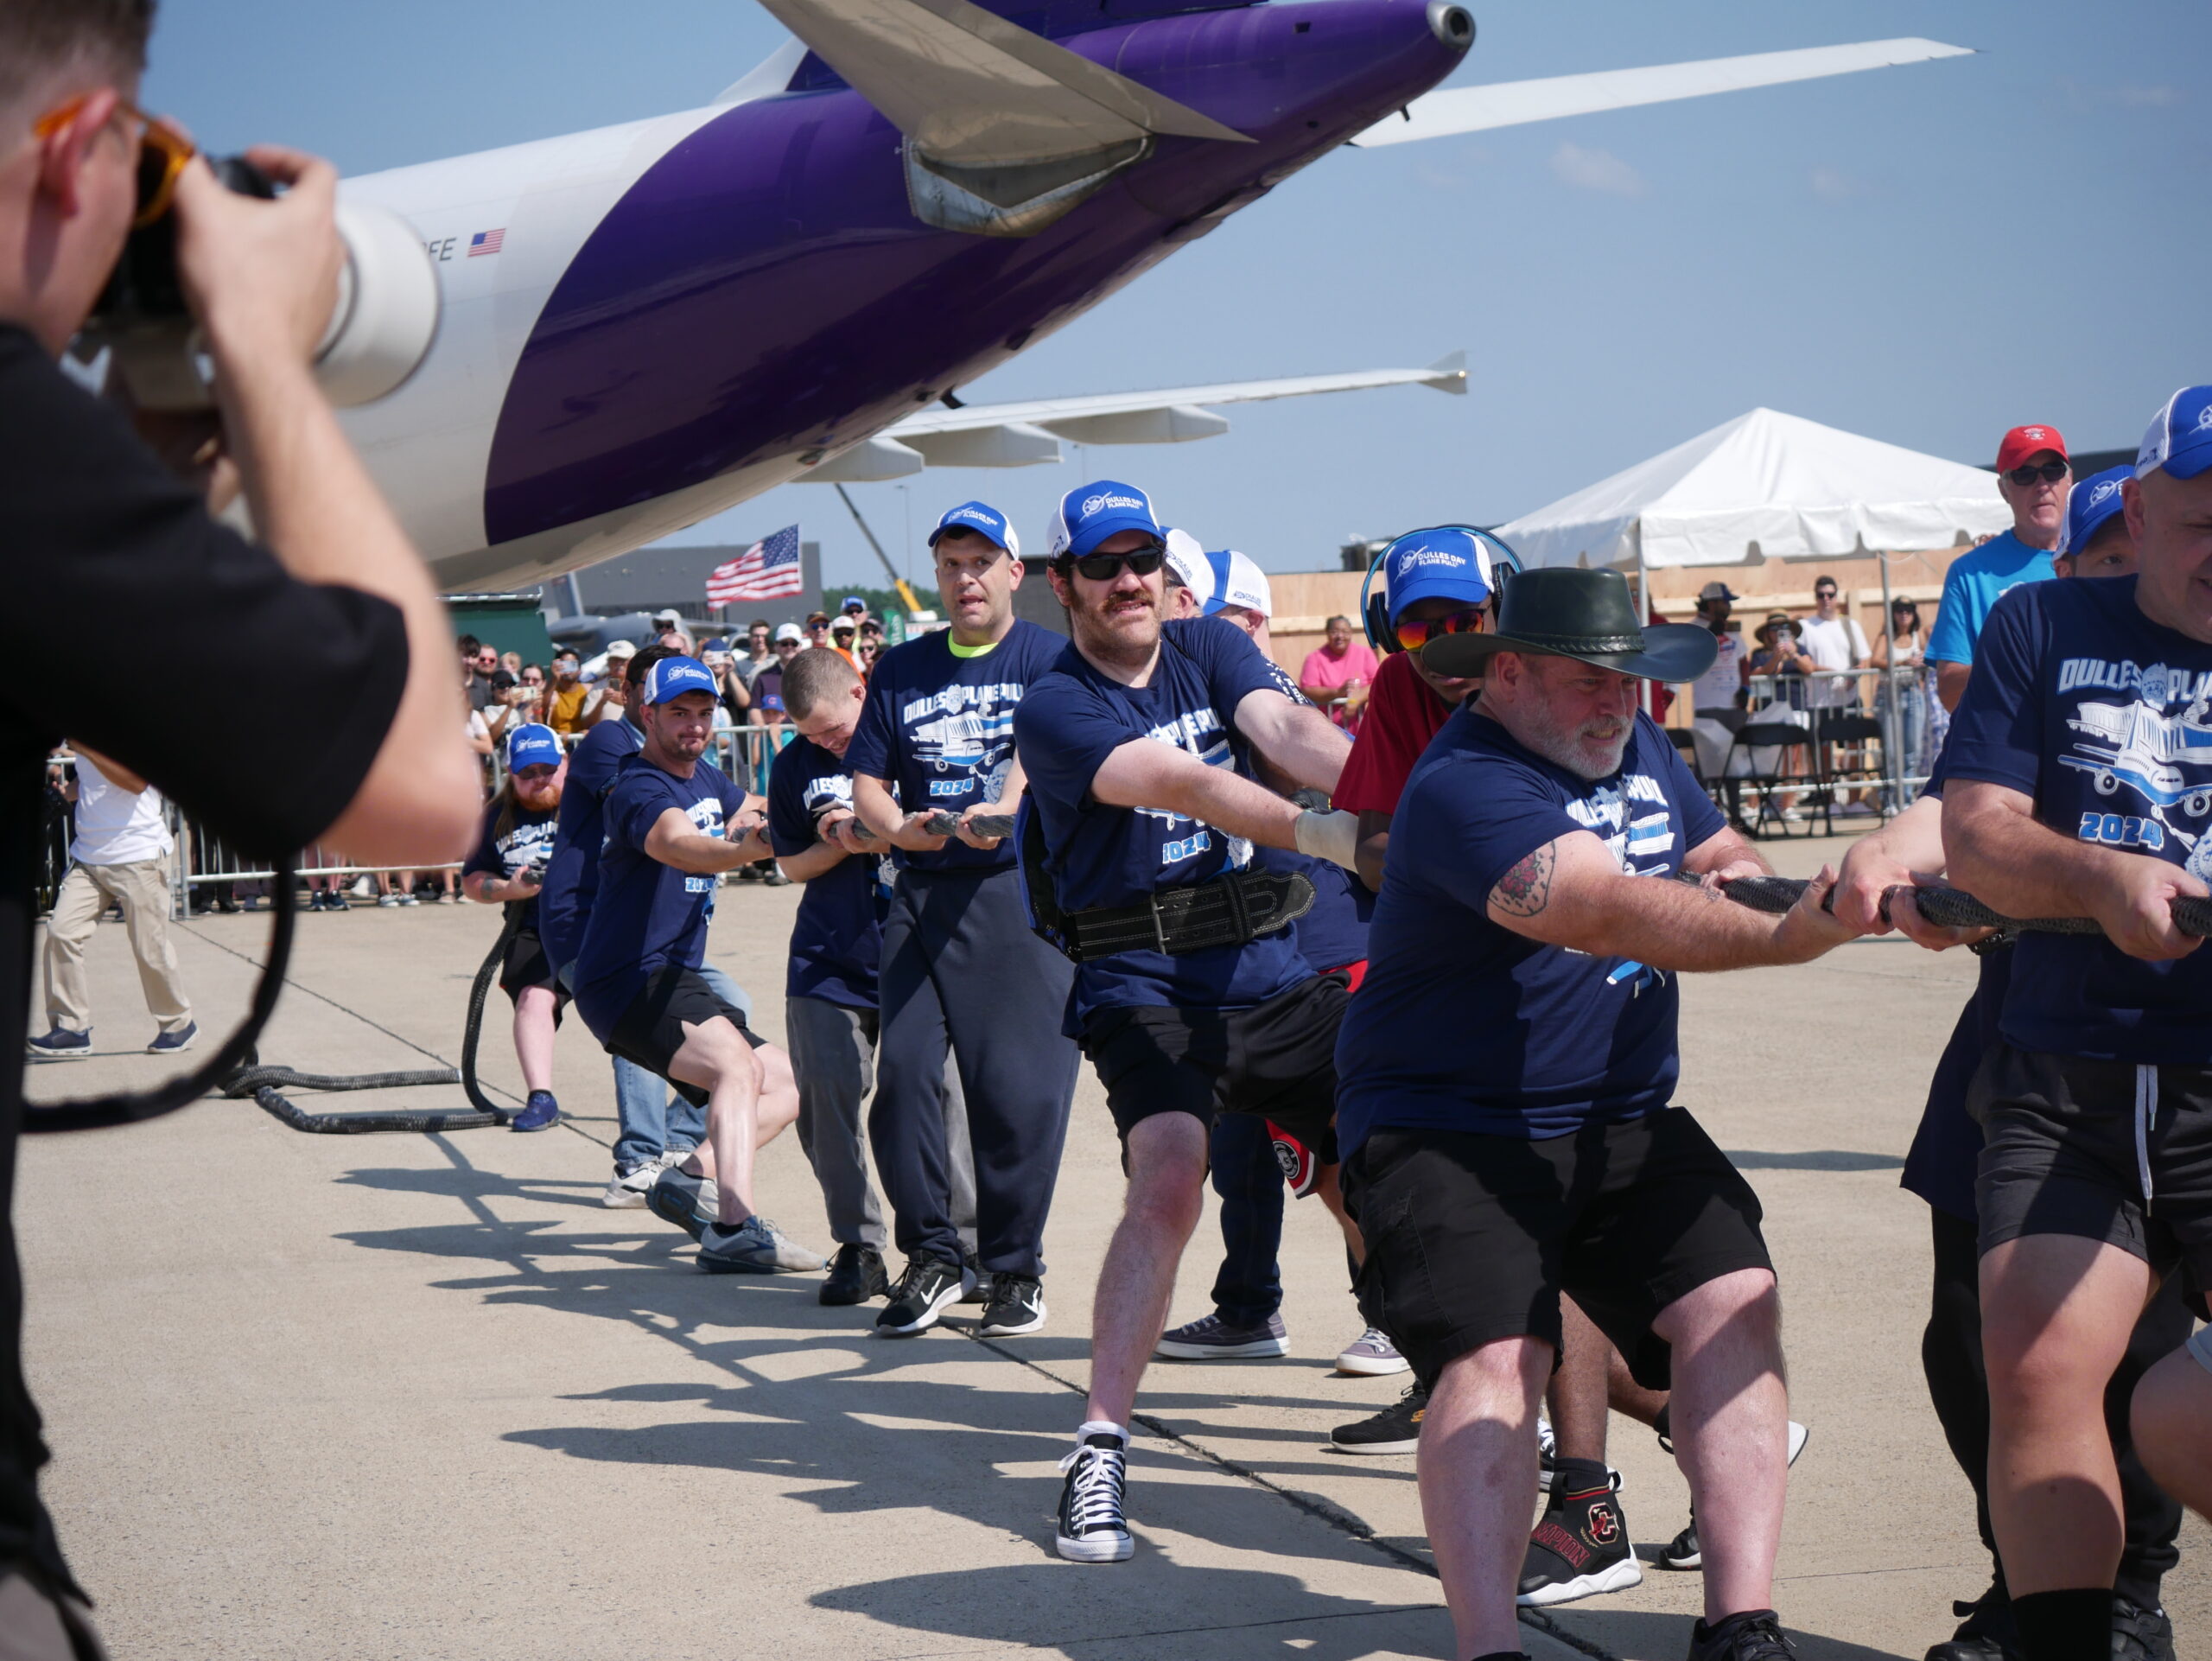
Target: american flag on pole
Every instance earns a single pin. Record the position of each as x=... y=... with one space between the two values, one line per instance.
x=769 y=569
x=486 y=242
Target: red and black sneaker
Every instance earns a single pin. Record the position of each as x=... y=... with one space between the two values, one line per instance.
x=1302 y=1167
x=1580 y=1547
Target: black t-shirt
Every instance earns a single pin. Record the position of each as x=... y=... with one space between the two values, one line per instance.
x=98 y=537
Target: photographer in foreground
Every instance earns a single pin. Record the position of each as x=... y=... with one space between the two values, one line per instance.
x=95 y=524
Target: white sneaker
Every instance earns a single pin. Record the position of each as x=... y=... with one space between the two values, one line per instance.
x=628 y=1190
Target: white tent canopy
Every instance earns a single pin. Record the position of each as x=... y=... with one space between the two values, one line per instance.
x=1764 y=484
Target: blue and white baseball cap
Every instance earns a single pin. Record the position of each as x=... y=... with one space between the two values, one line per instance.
x=982 y=519
x=532 y=746
x=1447 y=562
x=2089 y=504
x=1186 y=562
x=2180 y=438
x=1238 y=581
x=672 y=678
x=1090 y=514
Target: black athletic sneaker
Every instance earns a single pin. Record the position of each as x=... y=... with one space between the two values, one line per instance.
x=979 y=1283
x=1753 y=1635
x=1017 y=1306
x=1396 y=1429
x=856 y=1274
x=1988 y=1631
x=1580 y=1547
x=1092 y=1529
x=926 y=1290
x=2139 y=1634
x=1683 y=1550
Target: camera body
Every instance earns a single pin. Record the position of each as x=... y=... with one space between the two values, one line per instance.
x=381 y=328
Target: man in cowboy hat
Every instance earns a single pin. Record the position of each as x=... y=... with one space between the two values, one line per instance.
x=1494 y=1165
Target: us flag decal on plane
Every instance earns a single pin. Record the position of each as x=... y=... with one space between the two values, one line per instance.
x=486 y=242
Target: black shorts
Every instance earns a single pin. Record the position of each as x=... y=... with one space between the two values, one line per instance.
x=1472 y=1238
x=1277 y=1060
x=527 y=965
x=650 y=1031
x=2061 y=1155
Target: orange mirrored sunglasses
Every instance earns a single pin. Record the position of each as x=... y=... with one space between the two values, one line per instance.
x=161 y=157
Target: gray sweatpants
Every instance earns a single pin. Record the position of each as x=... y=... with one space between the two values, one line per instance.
x=833 y=1054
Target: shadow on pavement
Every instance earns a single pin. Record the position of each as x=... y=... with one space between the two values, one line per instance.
x=1247 y=1612
x=1646 y=1632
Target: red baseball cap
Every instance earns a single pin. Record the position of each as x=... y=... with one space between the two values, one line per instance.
x=2023 y=442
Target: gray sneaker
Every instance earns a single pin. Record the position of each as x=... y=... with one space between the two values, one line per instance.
x=690 y=1202
x=756 y=1246
x=628 y=1189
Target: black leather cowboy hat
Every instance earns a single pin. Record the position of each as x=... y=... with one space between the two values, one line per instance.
x=1586 y=615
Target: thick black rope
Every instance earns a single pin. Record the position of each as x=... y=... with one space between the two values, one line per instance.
x=1950 y=908
x=262 y=1083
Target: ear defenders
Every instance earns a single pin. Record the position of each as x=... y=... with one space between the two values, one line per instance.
x=1499 y=562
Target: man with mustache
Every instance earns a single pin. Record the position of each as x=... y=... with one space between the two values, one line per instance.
x=1494 y=1165
x=1191 y=997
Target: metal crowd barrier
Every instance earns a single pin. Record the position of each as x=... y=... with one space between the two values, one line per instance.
x=201 y=860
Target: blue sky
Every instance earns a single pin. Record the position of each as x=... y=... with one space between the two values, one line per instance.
x=1927 y=255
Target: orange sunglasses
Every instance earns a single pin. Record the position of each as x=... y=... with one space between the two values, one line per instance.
x=161 y=158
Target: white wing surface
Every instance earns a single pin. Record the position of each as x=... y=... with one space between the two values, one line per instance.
x=1027 y=432
x=1515 y=102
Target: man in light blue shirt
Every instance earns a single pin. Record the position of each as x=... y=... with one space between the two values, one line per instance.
x=2033 y=476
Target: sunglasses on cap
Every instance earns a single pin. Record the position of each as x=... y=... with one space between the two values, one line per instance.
x=1412 y=636
x=162 y=157
x=2049 y=473
x=1104 y=568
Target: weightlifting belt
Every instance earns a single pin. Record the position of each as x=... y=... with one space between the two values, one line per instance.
x=1231 y=910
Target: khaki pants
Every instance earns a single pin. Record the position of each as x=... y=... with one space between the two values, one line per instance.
x=36 y=1624
x=142 y=888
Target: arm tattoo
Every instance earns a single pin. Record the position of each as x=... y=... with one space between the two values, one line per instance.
x=1527 y=889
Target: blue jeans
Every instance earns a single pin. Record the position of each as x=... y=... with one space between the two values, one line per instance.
x=1250 y=1286
x=652 y=1116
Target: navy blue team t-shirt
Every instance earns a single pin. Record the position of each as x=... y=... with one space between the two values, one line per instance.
x=1463 y=1024
x=527 y=839
x=572 y=873
x=1070 y=721
x=940 y=727
x=837 y=937
x=2105 y=718
x=647 y=915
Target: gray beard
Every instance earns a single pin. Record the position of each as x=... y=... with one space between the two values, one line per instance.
x=1564 y=747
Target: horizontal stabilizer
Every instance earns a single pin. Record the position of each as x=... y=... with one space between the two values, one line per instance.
x=975 y=92
x=1515 y=102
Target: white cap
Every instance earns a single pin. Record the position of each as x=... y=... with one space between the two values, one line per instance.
x=1188 y=562
x=1238 y=581
x=789 y=632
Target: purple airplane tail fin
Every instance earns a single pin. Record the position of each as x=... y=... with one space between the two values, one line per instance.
x=1053 y=19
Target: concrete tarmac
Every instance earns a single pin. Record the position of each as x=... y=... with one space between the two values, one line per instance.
x=420 y=1397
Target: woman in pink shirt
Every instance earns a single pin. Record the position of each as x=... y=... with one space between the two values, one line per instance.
x=1337 y=673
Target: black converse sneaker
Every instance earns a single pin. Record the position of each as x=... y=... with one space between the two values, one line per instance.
x=1092 y=1529
x=1016 y=1305
x=926 y=1290
x=1580 y=1547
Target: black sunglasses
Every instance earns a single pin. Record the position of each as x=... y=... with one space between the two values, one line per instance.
x=2050 y=473
x=1824 y=594
x=1104 y=568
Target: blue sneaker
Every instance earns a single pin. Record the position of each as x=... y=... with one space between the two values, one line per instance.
x=172 y=1043
x=63 y=1045
x=540 y=1113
